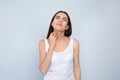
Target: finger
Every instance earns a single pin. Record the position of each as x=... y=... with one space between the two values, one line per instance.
x=54 y=34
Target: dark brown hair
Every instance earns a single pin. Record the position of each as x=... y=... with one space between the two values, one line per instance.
x=68 y=32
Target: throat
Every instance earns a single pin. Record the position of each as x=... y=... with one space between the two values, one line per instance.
x=60 y=38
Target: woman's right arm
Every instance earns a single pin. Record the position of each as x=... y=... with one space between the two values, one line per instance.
x=45 y=57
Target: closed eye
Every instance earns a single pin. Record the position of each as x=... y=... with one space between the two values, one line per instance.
x=57 y=17
x=65 y=19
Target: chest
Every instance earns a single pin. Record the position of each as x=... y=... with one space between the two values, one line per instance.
x=64 y=57
x=61 y=46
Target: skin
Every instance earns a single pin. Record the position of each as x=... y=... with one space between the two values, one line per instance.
x=58 y=42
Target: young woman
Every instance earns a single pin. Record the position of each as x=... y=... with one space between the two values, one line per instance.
x=59 y=54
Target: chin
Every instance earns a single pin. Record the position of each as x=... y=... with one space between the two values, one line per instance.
x=57 y=30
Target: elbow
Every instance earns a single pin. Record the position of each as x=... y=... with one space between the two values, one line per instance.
x=43 y=72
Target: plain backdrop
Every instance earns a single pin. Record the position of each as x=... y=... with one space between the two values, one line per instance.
x=96 y=24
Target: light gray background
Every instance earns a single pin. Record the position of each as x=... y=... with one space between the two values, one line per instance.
x=96 y=24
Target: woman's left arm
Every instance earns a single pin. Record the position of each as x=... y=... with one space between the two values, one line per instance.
x=77 y=71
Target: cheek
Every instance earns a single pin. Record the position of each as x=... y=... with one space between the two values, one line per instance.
x=53 y=24
x=65 y=24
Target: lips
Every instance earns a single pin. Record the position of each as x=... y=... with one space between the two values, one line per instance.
x=59 y=24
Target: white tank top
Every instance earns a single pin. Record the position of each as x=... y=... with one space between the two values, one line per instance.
x=61 y=67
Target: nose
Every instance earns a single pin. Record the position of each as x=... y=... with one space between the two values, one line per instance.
x=60 y=20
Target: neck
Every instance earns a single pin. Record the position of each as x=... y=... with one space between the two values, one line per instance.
x=60 y=35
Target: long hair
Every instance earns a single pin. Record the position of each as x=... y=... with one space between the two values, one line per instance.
x=67 y=32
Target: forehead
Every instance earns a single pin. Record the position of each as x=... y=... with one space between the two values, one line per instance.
x=61 y=14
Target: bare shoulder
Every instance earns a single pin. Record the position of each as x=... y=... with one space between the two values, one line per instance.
x=75 y=42
x=42 y=47
x=76 y=47
x=42 y=42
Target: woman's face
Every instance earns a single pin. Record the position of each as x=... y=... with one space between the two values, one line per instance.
x=60 y=22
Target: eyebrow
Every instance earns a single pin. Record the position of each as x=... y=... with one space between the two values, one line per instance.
x=63 y=17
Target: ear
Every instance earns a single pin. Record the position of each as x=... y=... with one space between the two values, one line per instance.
x=67 y=27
